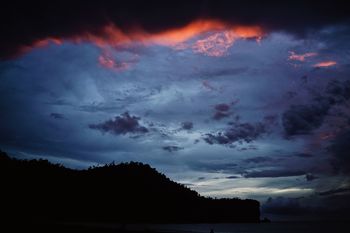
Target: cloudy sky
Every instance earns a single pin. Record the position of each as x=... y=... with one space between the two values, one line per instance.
x=232 y=99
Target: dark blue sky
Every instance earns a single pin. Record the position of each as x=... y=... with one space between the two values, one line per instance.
x=229 y=110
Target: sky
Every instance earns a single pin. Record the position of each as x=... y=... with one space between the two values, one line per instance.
x=231 y=98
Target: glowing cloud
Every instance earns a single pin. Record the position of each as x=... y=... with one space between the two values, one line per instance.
x=40 y=44
x=214 y=45
x=107 y=60
x=175 y=36
x=112 y=36
x=325 y=64
x=217 y=44
x=300 y=57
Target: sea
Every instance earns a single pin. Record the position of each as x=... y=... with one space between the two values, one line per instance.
x=273 y=227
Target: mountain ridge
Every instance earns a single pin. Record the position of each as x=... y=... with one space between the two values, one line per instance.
x=124 y=193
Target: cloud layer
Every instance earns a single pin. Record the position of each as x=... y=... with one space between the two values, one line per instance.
x=36 y=23
x=253 y=122
x=123 y=124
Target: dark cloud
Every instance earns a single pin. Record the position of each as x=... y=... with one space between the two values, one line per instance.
x=232 y=177
x=219 y=115
x=304 y=155
x=213 y=166
x=248 y=147
x=341 y=190
x=123 y=124
x=224 y=72
x=339 y=148
x=338 y=92
x=340 y=151
x=57 y=115
x=222 y=107
x=22 y=23
x=187 y=125
x=332 y=207
x=332 y=101
x=310 y=177
x=216 y=139
x=172 y=148
x=274 y=173
x=238 y=132
x=221 y=111
x=271 y=119
x=284 y=206
x=303 y=119
x=259 y=159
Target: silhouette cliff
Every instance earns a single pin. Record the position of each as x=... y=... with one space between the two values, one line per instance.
x=124 y=193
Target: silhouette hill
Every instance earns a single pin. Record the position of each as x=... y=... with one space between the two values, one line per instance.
x=124 y=193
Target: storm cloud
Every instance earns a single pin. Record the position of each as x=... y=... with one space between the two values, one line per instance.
x=340 y=190
x=339 y=150
x=238 y=132
x=26 y=23
x=236 y=111
x=172 y=148
x=284 y=206
x=259 y=159
x=303 y=119
x=123 y=124
x=187 y=125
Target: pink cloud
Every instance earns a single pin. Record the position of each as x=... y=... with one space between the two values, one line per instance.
x=107 y=61
x=300 y=57
x=111 y=35
x=217 y=44
x=325 y=64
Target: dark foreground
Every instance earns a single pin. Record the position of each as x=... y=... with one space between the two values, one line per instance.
x=276 y=227
x=124 y=193
x=58 y=228
x=66 y=228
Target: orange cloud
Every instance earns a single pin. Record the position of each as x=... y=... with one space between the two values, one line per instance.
x=215 y=45
x=325 y=64
x=300 y=57
x=175 y=36
x=107 y=60
x=113 y=36
x=40 y=44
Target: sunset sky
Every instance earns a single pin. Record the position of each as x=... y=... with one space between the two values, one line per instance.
x=231 y=98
